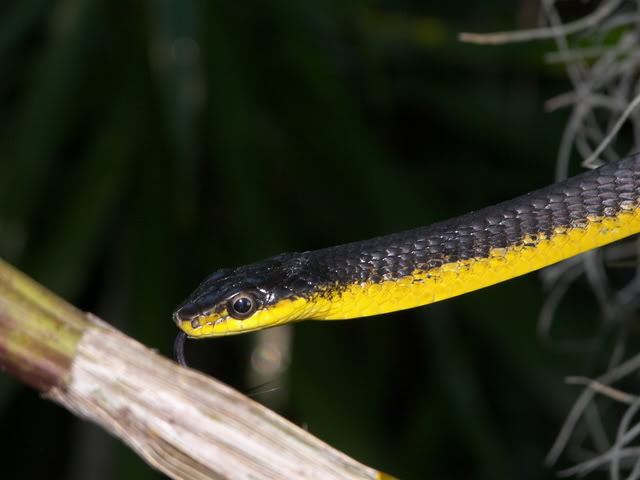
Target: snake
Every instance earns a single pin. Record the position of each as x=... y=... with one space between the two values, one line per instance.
x=423 y=265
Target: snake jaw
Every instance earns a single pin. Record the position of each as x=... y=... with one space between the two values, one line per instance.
x=190 y=319
x=270 y=287
x=217 y=324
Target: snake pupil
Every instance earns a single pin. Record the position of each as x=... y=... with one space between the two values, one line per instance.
x=242 y=306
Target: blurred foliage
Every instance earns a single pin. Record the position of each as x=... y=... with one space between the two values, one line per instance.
x=145 y=144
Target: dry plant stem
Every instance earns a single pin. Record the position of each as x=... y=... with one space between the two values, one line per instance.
x=181 y=422
x=611 y=135
x=583 y=401
x=184 y=423
x=607 y=390
x=604 y=10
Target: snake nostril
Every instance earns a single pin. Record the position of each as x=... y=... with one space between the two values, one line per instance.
x=187 y=312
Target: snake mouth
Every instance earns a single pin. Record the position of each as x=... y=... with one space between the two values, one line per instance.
x=190 y=327
x=187 y=312
x=189 y=318
x=198 y=324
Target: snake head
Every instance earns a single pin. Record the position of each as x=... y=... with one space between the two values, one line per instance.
x=247 y=298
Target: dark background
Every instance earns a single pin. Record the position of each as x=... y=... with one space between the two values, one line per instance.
x=145 y=144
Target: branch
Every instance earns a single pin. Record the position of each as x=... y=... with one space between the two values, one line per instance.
x=181 y=422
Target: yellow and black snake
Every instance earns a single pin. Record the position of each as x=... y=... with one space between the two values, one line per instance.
x=424 y=265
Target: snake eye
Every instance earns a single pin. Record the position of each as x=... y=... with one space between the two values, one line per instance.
x=241 y=306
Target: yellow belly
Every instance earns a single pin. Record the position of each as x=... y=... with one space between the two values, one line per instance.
x=456 y=278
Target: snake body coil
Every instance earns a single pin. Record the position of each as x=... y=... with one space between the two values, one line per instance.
x=424 y=265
